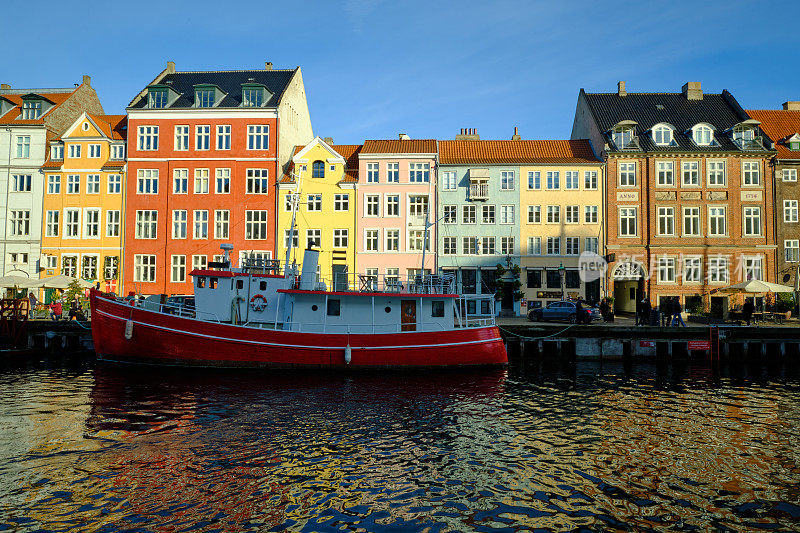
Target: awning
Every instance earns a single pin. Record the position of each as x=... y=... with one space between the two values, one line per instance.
x=479 y=173
x=755 y=286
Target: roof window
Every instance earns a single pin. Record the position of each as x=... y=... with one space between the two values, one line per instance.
x=31 y=109
x=204 y=97
x=623 y=136
x=157 y=98
x=254 y=95
x=703 y=135
x=663 y=135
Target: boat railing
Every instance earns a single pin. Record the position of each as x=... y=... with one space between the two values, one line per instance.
x=171 y=309
x=366 y=328
x=414 y=284
x=260 y=265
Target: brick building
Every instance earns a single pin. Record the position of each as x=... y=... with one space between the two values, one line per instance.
x=205 y=150
x=689 y=205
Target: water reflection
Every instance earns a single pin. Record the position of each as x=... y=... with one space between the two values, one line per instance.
x=550 y=447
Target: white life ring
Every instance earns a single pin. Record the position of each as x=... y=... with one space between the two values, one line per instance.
x=258 y=303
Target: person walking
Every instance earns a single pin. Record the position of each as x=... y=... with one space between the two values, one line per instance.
x=32 y=300
x=666 y=311
x=646 y=308
x=747 y=311
x=677 y=310
x=604 y=309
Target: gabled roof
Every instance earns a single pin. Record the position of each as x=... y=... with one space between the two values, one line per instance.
x=15 y=96
x=113 y=126
x=780 y=125
x=648 y=109
x=400 y=146
x=516 y=152
x=229 y=81
x=348 y=151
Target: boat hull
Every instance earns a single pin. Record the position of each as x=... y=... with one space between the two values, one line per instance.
x=172 y=340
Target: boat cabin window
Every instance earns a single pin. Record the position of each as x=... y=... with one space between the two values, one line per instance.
x=201 y=282
x=471 y=307
x=262 y=286
x=212 y=284
x=240 y=284
x=485 y=307
x=437 y=308
x=314 y=307
x=334 y=307
x=388 y=309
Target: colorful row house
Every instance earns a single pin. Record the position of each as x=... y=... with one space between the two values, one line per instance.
x=29 y=120
x=689 y=205
x=205 y=151
x=84 y=204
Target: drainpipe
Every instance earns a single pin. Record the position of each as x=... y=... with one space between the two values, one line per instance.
x=8 y=186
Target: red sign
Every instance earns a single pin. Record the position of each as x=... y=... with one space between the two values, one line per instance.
x=699 y=345
x=647 y=344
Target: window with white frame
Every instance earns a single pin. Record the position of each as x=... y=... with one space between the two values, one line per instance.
x=258 y=137
x=450 y=214
x=488 y=246
x=553 y=214
x=72 y=220
x=91 y=224
x=691 y=221
x=202 y=137
x=592 y=244
x=573 y=245
x=157 y=98
x=553 y=180
x=790 y=210
x=180 y=219
x=180 y=181
x=534 y=214
x=205 y=96
x=118 y=152
x=373 y=175
x=111 y=267
x=666 y=221
x=469 y=214
x=702 y=135
x=341 y=202
x=256 y=225
x=417 y=206
x=419 y=172
x=789 y=174
x=21 y=183
x=572 y=215
x=571 y=179
x=692 y=269
x=94 y=151
x=93 y=184
x=416 y=240
x=51 y=222
x=147 y=181
x=73 y=184
x=590 y=180
x=666 y=270
x=74 y=151
x=627 y=222
x=53 y=184
x=627 y=174
x=716 y=173
x=257 y=181
x=147 y=139
x=181 y=138
x=488 y=214
x=449 y=246
x=223 y=137
x=201 y=181
x=314 y=202
x=534 y=180
x=392 y=205
x=313 y=238
x=751 y=173
x=665 y=173
x=57 y=152
x=372 y=205
x=393 y=172
x=89 y=267
x=69 y=265
x=752 y=268
x=31 y=109
x=752 y=221
x=507 y=180
x=341 y=238
x=20 y=222
x=590 y=214
x=200 y=262
x=469 y=245
x=200 y=217
x=289 y=202
x=178 y=269
x=791 y=250
x=222 y=220
x=554 y=246
x=24 y=147
x=371 y=239
x=690 y=171
x=113 y=223
x=51 y=261
x=622 y=136
x=144 y=268
x=662 y=135
x=252 y=96
x=294 y=236
x=392 y=240
x=223 y=180
x=146 y=224
x=114 y=184
x=717 y=221
x=534 y=246
x=449 y=180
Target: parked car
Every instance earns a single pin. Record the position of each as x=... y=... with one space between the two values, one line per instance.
x=564 y=311
x=180 y=304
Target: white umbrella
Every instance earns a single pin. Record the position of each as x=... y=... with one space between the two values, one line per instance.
x=755 y=286
x=14 y=281
x=62 y=281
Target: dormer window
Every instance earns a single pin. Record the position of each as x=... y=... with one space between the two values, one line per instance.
x=157 y=98
x=745 y=136
x=703 y=135
x=623 y=136
x=204 y=97
x=662 y=135
x=793 y=142
x=743 y=133
x=252 y=96
x=318 y=169
x=57 y=152
x=31 y=109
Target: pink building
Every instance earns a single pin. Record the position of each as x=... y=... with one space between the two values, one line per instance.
x=396 y=190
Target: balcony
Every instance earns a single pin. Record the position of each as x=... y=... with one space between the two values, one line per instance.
x=479 y=191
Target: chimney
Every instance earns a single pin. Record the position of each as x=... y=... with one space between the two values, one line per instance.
x=468 y=134
x=404 y=137
x=268 y=65
x=328 y=140
x=692 y=91
x=170 y=67
x=516 y=136
x=621 y=89
x=787 y=106
x=87 y=80
x=8 y=86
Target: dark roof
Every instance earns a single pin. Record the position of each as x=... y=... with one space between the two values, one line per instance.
x=229 y=81
x=648 y=109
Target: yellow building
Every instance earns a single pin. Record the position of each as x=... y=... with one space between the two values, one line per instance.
x=84 y=184
x=323 y=178
x=561 y=217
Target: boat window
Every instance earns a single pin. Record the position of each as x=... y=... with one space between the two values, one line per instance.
x=201 y=282
x=334 y=307
x=485 y=307
x=471 y=306
x=314 y=307
x=262 y=286
x=388 y=309
x=240 y=284
x=437 y=308
x=213 y=283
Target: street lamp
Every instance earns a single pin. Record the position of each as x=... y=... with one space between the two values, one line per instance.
x=561 y=272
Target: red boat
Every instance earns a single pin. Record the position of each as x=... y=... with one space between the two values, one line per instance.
x=252 y=316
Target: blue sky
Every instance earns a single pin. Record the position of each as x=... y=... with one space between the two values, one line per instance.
x=375 y=68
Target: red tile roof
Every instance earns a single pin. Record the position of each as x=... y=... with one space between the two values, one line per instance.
x=52 y=165
x=400 y=146
x=516 y=152
x=779 y=125
x=16 y=98
x=112 y=126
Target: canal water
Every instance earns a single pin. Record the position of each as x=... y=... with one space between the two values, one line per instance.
x=86 y=446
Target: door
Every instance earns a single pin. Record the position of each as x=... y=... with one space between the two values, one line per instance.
x=339 y=277
x=408 y=315
x=593 y=291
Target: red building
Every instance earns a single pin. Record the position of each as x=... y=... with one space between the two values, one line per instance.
x=205 y=150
